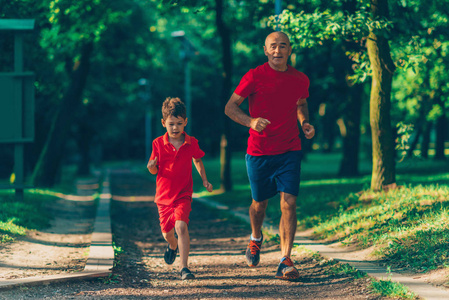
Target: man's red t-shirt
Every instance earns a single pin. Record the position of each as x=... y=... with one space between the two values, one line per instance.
x=174 y=176
x=273 y=95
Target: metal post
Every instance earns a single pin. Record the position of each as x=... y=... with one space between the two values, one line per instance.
x=148 y=123
x=277 y=11
x=188 y=99
x=19 y=147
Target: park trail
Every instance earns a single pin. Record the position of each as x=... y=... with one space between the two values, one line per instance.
x=218 y=242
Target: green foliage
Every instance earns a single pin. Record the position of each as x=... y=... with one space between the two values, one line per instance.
x=346 y=269
x=17 y=217
x=388 y=288
x=110 y=279
x=408 y=225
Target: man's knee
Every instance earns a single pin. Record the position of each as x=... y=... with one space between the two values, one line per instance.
x=260 y=207
x=288 y=202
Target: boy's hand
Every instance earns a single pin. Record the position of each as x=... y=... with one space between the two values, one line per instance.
x=152 y=164
x=208 y=186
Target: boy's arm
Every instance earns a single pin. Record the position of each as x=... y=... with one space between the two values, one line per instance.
x=200 y=168
x=152 y=166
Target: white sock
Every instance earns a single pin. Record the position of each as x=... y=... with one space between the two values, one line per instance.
x=254 y=239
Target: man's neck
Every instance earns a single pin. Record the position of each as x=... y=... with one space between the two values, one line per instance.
x=282 y=68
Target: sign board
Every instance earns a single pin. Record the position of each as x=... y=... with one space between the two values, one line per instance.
x=16 y=107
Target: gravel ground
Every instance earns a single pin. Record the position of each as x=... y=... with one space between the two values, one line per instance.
x=217 y=258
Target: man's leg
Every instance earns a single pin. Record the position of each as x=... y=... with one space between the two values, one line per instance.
x=183 y=242
x=287 y=229
x=287 y=226
x=257 y=215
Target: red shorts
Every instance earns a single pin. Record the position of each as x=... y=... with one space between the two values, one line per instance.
x=178 y=210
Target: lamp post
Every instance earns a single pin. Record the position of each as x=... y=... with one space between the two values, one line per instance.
x=145 y=95
x=186 y=54
x=277 y=11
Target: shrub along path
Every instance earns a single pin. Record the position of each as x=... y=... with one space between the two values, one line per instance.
x=217 y=260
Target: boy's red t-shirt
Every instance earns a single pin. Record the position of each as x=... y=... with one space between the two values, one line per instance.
x=273 y=95
x=174 y=176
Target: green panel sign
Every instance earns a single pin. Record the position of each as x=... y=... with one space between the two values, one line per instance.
x=16 y=107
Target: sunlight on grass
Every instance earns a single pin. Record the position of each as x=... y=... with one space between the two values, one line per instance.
x=409 y=227
x=17 y=217
x=387 y=288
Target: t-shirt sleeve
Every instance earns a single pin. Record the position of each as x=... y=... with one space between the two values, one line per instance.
x=197 y=152
x=246 y=85
x=306 y=84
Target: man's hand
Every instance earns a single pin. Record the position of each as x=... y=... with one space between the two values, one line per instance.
x=208 y=186
x=152 y=165
x=259 y=124
x=309 y=130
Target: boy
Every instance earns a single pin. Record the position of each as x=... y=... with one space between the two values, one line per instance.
x=171 y=160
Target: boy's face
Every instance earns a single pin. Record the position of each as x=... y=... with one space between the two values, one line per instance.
x=175 y=126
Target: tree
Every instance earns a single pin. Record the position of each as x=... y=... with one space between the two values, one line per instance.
x=369 y=25
x=72 y=32
x=382 y=67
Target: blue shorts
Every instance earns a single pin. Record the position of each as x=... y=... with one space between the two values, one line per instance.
x=270 y=174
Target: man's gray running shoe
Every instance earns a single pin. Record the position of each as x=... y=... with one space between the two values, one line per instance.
x=287 y=271
x=253 y=252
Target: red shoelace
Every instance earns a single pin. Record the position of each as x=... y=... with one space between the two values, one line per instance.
x=254 y=246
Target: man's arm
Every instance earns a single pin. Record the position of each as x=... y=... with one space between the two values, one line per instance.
x=302 y=113
x=233 y=111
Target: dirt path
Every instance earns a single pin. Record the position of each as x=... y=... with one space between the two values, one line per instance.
x=217 y=261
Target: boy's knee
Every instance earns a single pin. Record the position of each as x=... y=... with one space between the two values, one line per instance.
x=181 y=227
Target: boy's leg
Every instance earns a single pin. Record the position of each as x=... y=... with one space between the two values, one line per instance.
x=171 y=239
x=183 y=242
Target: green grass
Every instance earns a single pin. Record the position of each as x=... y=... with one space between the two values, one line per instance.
x=387 y=288
x=17 y=217
x=408 y=227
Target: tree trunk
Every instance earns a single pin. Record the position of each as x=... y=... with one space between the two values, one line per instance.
x=425 y=143
x=351 y=142
x=47 y=167
x=225 y=149
x=441 y=132
x=383 y=173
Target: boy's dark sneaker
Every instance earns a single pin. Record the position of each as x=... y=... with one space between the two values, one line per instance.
x=186 y=274
x=286 y=270
x=170 y=255
x=253 y=252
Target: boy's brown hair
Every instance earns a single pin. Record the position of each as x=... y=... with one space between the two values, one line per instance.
x=173 y=107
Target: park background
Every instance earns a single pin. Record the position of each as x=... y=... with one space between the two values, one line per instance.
x=103 y=68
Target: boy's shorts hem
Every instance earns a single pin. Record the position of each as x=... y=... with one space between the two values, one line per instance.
x=179 y=210
x=270 y=174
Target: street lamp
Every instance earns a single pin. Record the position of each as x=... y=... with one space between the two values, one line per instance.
x=186 y=54
x=277 y=11
x=145 y=95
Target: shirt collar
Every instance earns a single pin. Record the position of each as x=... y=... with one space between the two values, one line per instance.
x=187 y=139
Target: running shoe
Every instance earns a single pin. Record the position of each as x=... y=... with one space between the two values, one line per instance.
x=170 y=255
x=253 y=252
x=286 y=270
x=186 y=274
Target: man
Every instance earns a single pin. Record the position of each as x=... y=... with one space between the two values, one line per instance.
x=277 y=96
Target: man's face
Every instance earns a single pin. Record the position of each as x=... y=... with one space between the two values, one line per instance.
x=277 y=48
